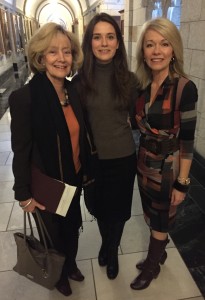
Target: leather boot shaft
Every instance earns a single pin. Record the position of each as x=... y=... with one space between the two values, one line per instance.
x=151 y=268
x=142 y=264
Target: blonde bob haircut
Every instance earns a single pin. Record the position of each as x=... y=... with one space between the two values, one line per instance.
x=171 y=33
x=40 y=42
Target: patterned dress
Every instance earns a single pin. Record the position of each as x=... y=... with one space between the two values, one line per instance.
x=167 y=134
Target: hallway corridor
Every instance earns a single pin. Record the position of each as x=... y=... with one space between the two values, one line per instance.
x=174 y=282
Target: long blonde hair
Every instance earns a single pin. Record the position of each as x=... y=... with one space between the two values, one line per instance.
x=171 y=33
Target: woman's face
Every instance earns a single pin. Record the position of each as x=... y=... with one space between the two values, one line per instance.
x=158 y=52
x=57 y=59
x=104 y=42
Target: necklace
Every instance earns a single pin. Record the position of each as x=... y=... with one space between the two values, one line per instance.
x=66 y=102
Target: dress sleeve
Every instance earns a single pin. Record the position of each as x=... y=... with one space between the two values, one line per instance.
x=21 y=142
x=187 y=120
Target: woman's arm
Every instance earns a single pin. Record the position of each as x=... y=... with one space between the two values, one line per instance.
x=177 y=196
x=186 y=138
x=21 y=142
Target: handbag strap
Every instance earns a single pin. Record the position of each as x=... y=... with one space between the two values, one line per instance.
x=43 y=230
x=30 y=225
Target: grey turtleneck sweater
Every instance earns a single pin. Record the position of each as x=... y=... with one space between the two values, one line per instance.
x=109 y=122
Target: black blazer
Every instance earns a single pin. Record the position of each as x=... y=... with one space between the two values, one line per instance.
x=24 y=145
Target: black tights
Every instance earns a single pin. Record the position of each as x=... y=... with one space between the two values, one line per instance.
x=64 y=234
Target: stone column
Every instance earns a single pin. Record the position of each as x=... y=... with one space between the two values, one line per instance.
x=192 y=24
x=135 y=16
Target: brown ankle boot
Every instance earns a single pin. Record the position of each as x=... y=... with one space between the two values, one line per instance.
x=143 y=280
x=141 y=264
x=151 y=268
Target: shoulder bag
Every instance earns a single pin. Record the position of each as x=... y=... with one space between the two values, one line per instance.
x=34 y=260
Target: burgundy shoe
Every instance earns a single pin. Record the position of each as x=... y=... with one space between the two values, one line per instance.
x=142 y=264
x=143 y=280
x=63 y=287
x=77 y=276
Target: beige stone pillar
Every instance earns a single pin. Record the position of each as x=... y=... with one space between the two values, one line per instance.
x=134 y=17
x=192 y=28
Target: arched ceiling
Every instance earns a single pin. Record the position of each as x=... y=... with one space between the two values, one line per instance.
x=32 y=7
x=66 y=9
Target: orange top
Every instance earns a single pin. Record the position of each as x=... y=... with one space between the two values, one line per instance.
x=74 y=130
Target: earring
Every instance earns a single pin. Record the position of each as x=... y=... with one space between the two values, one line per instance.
x=172 y=59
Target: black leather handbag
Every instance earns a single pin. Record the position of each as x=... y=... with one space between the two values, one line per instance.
x=34 y=260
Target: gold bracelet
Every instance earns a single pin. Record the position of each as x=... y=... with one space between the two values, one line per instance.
x=26 y=205
x=183 y=180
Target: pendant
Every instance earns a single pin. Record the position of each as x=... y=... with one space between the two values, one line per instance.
x=66 y=102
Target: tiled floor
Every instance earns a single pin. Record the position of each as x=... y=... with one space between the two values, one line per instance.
x=174 y=282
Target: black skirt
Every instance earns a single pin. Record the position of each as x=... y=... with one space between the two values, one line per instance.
x=114 y=188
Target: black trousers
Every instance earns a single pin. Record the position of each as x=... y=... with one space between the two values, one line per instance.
x=64 y=232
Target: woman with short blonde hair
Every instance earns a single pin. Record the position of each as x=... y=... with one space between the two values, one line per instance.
x=48 y=133
x=41 y=40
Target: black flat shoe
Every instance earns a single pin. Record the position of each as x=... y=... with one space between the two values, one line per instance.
x=77 y=276
x=112 y=267
x=112 y=271
x=63 y=287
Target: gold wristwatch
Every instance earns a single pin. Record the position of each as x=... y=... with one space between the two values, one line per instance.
x=184 y=181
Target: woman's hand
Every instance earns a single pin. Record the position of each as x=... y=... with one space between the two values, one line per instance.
x=30 y=205
x=177 y=197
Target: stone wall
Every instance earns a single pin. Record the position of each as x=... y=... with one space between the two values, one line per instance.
x=111 y=7
x=134 y=18
x=192 y=29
